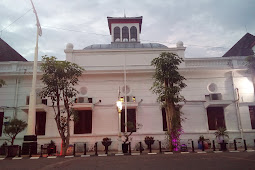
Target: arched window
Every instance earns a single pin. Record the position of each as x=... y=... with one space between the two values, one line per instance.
x=133 y=32
x=116 y=33
x=125 y=34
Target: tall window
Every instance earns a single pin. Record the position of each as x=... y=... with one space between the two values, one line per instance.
x=84 y=123
x=1 y=122
x=131 y=117
x=252 y=116
x=177 y=109
x=133 y=33
x=125 y=34
x=40 y=123
x=116 y=33
x=215 y=117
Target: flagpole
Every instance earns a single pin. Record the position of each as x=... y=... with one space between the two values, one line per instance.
x=32 y=98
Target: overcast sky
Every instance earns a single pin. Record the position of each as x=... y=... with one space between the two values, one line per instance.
x=208 y=28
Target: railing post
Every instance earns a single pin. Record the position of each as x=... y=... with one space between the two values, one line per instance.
x=73 y=149
x=192 y=145
x=245 y=147
x=30 y=150
x=19 y=151
x=85 y=150
x=140 y=147
x=41 y=151
x=213 y=145
x=160 y=150
x=96 y=149
x=235 y=145
x=150 y=145
x=129 y=148
x=203 y=149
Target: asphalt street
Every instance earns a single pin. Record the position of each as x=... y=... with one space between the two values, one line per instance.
x=208 y=161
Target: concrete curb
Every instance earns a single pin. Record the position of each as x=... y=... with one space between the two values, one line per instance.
x=84 y=156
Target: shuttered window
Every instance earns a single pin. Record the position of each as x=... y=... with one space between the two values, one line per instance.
x=252 y=116
x=215 y=117
x=84 y=123
x=40 y=123
x=1 y=122
x=131 y=117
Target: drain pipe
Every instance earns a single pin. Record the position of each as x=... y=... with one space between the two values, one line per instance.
x=236 y=100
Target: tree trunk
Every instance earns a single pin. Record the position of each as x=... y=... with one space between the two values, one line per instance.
x=170 y=113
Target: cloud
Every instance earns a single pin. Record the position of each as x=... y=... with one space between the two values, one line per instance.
x=208 y=28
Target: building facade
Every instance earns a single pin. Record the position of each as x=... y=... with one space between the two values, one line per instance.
x=219 y=92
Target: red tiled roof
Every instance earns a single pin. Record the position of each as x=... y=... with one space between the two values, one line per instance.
x=7 y=53
x=243 y=47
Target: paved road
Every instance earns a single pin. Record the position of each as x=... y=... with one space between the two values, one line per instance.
x=215 y=161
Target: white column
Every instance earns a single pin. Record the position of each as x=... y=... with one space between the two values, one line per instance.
x=32 y=98
x=119 y=139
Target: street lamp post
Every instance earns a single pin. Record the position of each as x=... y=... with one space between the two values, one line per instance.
x=119 y=105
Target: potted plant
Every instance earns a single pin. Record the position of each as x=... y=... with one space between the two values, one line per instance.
x=51 y=148
x=149 y=140
x=106 y=142
x=220 y=134
x=201 y=141
x=11 y=130
x=132 y=128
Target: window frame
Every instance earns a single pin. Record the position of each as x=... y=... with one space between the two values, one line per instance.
x=84 y=123
x=129 y=113
x=42 y=123
x=213 y=115
x=116 y=34
x=252 y=118
x=133 y=33
x=125 y=33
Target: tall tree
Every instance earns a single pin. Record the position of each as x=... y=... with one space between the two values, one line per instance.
x=59 y=78
x=167 y=85
x=13 y=128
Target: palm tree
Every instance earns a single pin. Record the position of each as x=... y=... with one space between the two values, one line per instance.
x=221 y=133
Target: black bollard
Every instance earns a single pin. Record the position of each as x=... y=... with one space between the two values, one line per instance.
x=245 y=147
x=73 y=149
x=140 y=147
x=129 y=148
x=41 y=151
x=85 y=150
x=235 y=145
x=30 y=150
x=19 y=151
x=106 y=149
x=160 y=150
x=150 y=145
x=95 y=149
x=213 y=145
x=192 y=144
x=203 y=149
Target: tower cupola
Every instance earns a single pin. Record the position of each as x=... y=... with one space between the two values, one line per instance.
x=125 y=29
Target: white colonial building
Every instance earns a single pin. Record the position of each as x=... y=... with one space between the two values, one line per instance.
x=219 y=91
